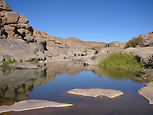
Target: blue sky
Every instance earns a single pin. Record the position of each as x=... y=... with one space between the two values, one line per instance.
x=89 y=20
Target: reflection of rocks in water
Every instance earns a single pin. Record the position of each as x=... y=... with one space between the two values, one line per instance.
x=17 y=84
x=71 y=68
x=118 y=73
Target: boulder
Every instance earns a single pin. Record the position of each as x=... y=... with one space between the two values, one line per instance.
x=17 y=48
x=144 y=53
x=9 y=31
x=116 y=44
x=39 y=34
x=23 y=20
x=147 y=92
x=41 y=44
x=41 y=56
x=21 y=32
x=12 y=17
x=32 y=104
x=110 y=93
x=29 y=39
x=4 y=6
x=25 y=26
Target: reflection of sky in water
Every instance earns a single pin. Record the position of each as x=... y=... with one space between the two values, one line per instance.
x=45 y=86
x=84 y=79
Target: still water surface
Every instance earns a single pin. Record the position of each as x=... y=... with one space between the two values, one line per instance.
x=53 y=83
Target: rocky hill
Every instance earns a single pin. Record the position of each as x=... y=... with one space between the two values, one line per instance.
x=20 y=41
x=148 y=40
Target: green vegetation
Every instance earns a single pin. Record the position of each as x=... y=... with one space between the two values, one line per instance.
x=134 y=42
x=118 y=73
x=20 y=60
x=124 y=61
x=6 y=63
x=36 y=61
x=106 y=45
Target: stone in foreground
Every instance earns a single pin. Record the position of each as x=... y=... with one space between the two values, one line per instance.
x=110 y=93
x=147 y=92
x=32 y=104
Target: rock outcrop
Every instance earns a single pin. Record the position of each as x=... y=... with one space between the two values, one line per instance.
x=110 y=93
x=145 y=54
x=16 y=37
x=4 y=6
x=32 y=104
x=148 y=40
x=13 y=25
x=147 y=92
x=116 y=44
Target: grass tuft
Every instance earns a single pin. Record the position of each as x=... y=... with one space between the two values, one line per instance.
x=6 y=63
x=36 y=61
x=121 y=60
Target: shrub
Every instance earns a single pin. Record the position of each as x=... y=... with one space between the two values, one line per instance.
x=36 y=61
x=20 y=60
x=134 y=42
x=6 y=63
x=121 y=60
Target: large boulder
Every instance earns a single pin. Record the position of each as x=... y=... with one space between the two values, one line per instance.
x=17 y=49
x=22 y=32
x=9 y=31
x=116 y=44
x=147 y=92
x=4 y=6
x=28 y=30
x=145 y=55
x=39 y=34
x=23 y=20
x=12 y=17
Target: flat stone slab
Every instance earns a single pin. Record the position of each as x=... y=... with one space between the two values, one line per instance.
x=147 y=92
x=24 y=65
x=110 y=93
x=32 y=104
